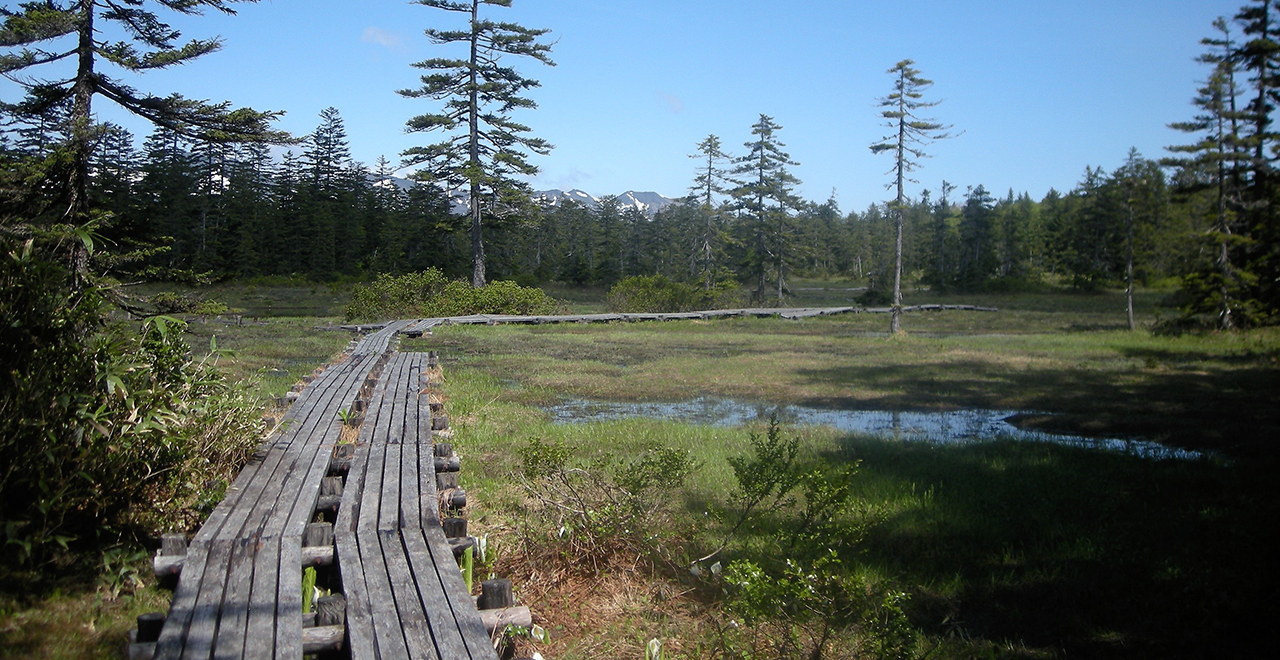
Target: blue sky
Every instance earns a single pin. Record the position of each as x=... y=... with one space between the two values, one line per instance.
x=1041 y=88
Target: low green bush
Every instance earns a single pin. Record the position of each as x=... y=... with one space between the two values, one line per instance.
x=660 y=294
x=429 y=294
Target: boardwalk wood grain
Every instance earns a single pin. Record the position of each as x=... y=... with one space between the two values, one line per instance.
x=239 y=592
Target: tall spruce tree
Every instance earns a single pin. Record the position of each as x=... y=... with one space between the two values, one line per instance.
x=1138 y=187
x=1259 y=58
x=480 y=93
x=765 y=194
x=712 y=179
x=1217 y=151
x=911 y=134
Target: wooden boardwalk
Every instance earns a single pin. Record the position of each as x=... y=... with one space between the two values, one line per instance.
x=239 y=591
x=405 y=595
x=367 y=516
x=417 y=327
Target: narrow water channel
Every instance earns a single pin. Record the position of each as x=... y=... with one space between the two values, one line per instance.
x=956 y=426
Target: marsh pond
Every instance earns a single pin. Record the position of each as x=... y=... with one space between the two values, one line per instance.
x=949 y=427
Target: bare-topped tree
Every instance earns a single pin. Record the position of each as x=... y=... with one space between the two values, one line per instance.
x=480 y=92
x=911 y=134
x=712 y=179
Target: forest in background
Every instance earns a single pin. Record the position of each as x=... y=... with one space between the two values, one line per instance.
x=234 y=211
x=195 y=203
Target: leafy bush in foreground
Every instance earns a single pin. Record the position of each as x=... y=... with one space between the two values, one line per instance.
x=104 y=429
x=657 y=293
x=430 y=294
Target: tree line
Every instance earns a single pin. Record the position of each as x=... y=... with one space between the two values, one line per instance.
x=235 y=211
x=203 y=195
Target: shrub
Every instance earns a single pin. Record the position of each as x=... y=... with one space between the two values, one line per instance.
x=430 y=294
x=102 y=427
x=608 y=507
x=657 y=293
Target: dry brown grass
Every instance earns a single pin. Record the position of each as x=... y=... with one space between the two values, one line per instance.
x=609 y=614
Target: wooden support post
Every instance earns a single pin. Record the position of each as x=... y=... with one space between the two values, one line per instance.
x=149 y=626
x=454 y=527
x=330 y=494
x=451 y=464
x=173 y=544
x=443 y=449
x=453 y=499
x=331 y=610
x=318 y=535
x=440 y=423
x=494 y=620
x=322 y=638
x=167 y=563
x=496 y=594
x=446 y=480
x=341 y=461
x=318 y=555
x=460 y=545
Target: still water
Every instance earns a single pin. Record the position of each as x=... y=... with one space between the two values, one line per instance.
x=956 y=426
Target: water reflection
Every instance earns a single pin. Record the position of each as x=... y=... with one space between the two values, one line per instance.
x=956 y=426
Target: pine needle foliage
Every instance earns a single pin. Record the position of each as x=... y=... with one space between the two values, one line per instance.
x=486 y=147
x=911 y=134
x=55 y=50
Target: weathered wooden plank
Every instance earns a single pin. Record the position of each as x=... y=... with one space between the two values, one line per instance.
x=389 y=512
x=443 y=625
x=288 y=643
x=172 y=636
x=397 y=388
x=230 y=514
x=463 y=607
x=234 y=614
x=351 y=568
x=386 y=626
x=410 y=514
x=261 y=628
x=413 y=619
x=386 y=621
x=198 y=644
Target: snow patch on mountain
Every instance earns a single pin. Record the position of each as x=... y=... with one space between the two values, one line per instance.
x=647 y=203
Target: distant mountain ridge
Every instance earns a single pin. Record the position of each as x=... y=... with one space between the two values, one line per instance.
x=647 y=203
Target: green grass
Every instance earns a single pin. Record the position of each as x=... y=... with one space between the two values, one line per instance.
x=1007 y=549
x=279 y=297
x=276 y=352
x=1214 y=391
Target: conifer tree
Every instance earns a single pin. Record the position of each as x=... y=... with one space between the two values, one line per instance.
x=1259 y=58
x=764 y=194
x=712 y=179
x=44 y=39
x=911 y=134
x=486 y=147
x=1219 y=151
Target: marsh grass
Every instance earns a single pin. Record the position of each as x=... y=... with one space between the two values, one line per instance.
x=61 y=618
x=277 y=351
x=1018 y=550
x=267 y=297
x=1212 y=391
